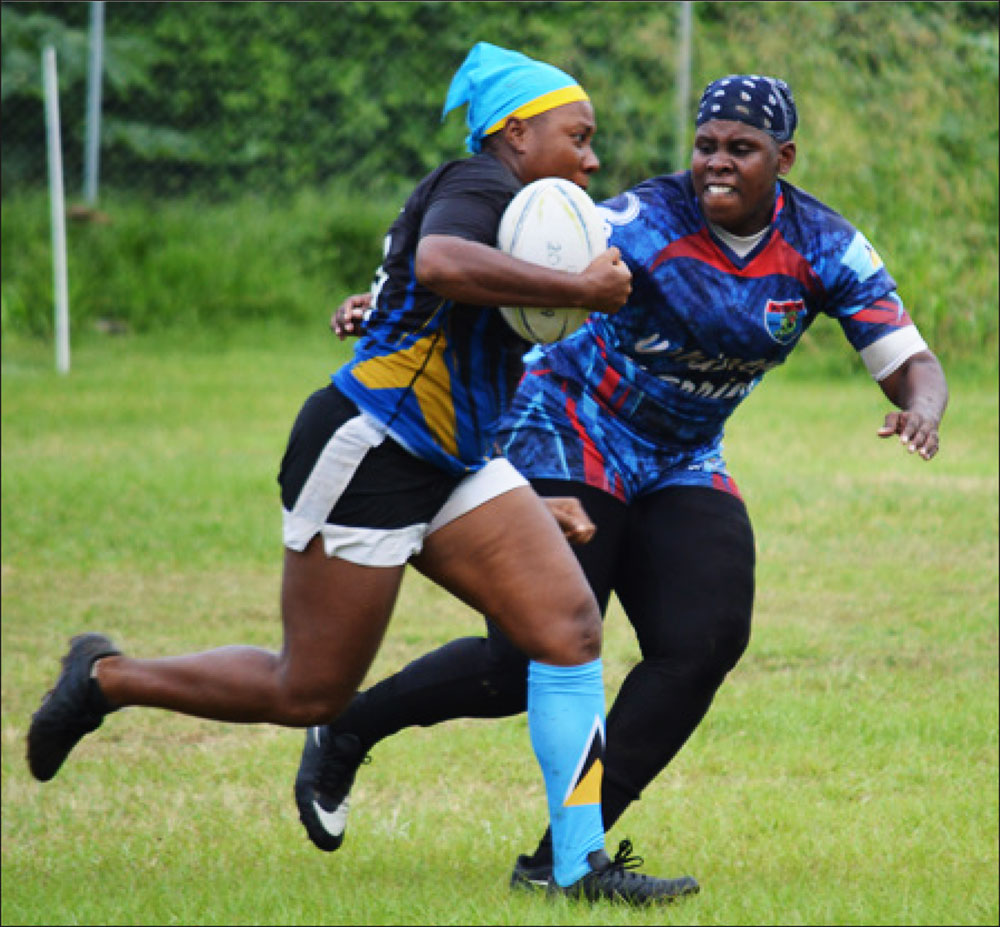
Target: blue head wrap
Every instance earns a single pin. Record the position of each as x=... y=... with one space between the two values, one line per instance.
x=762 y=102
x=497 y=84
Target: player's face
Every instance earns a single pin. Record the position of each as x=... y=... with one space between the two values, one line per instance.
x=734 y=168
x=557 y=144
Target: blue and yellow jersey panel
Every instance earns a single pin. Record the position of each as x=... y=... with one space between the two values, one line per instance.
x=435 y=373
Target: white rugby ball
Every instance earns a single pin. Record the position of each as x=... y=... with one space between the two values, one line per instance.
x=555 y=223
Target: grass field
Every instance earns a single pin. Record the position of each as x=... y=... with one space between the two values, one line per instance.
x=847 y=773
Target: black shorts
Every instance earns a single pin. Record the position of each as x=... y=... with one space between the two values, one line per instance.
x=373 y=501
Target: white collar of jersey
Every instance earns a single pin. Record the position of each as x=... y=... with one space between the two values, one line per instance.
x=741 y=245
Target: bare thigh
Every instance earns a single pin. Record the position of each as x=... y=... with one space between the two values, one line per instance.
x=508 y=559
x=335 y=614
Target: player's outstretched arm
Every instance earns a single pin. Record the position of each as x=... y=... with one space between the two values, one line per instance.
x=920 y=391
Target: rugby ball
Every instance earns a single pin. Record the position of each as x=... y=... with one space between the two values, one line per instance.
x=555 y=223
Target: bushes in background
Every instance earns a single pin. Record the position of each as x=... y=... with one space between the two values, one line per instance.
x=254 y=154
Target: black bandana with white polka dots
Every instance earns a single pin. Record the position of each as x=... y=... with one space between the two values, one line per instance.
x=763 y=102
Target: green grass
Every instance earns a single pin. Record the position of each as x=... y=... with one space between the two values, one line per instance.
x=847 y=773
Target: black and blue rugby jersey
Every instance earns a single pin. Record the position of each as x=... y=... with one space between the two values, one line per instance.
x=435 y=373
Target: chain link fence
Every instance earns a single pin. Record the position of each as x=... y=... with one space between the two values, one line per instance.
x=163 y=98
x=224 y=98
x=107 y=54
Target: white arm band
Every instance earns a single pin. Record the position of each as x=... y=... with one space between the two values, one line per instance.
x=889 y=353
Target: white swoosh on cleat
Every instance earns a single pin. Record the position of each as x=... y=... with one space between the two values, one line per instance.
x=335 y=821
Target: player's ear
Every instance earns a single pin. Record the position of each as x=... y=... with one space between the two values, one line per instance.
x=515 y=132
x=786 y=157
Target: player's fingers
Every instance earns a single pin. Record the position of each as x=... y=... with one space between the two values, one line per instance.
x=924 y=441
x=920 y=436
x=584 y=535
x=892 y=425
x=930 y=447
x=579 y=532
x=576 y=525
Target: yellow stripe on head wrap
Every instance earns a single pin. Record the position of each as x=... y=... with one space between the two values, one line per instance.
x=542 y=104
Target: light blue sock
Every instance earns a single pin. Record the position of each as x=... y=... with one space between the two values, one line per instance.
x=566 y=723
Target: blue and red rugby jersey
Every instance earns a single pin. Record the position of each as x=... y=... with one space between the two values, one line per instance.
x=700 y=329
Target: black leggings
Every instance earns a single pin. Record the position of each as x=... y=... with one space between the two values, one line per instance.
x=681 y=562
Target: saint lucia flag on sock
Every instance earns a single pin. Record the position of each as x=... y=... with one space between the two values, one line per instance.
x=566 y=722
x=585 y=786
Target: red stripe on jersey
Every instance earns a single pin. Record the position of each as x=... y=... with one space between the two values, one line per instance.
x=726 y=484
x=884 y=312
x=610 y=380
x=698 y=247
x=593 y=460
x=606 y=389
x=777 y=259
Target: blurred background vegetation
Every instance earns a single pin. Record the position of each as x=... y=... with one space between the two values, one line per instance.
x=253 y=154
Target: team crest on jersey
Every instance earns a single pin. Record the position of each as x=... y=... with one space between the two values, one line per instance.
x=783 y=318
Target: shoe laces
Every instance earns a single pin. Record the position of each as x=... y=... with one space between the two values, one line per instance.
x=620 y=871
x=624 y=857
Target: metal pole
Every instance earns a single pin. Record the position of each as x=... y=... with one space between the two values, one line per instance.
x=57 y=202
x=683 y=84
x=92 y=151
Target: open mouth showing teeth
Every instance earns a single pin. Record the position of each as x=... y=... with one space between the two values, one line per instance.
x=718 y=189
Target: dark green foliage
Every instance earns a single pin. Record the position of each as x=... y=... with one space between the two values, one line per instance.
x=218 y=97
x=221 y=97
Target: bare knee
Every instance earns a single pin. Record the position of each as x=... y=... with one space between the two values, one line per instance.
x=571 y=637
x=589 y=635
x=300 y=707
